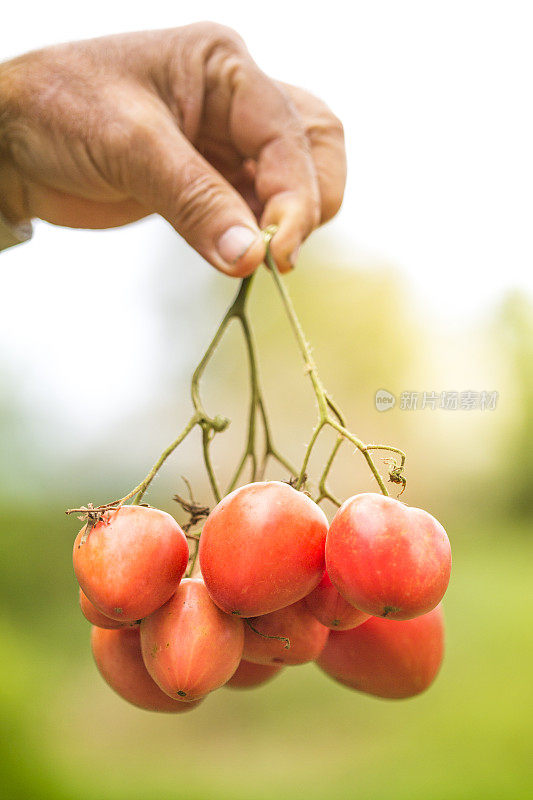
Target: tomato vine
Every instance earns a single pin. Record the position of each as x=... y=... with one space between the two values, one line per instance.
x=329 y=415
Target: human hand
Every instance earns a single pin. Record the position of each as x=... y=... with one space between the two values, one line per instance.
x=181 y=122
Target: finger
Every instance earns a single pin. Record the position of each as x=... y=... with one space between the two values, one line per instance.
x=266 y=127
x=165 y=174
x=326 y=137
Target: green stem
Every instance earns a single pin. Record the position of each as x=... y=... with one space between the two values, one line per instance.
x=257 y=405
x=238 y=472
x=249 y=448
x=324 y=493
x=362 y=448
x=305 y=349
x=336 y=410
x=145 y=483
x=194 y=558
x=303 y=471
x=236 y=309
x=390 y=449
x=324 y=401
x=212 y=426
x=209 y=425
x=270 y=449
x=207 y=436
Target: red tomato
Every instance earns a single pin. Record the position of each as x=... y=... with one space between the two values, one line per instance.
x=387 y=559
x=95 y=617
x=262 y=548
x=306 y=635
x=190 y=647
x=387 y=658
x=332 y=610
x=118 y=657
x=131 y=562
x=250 y=675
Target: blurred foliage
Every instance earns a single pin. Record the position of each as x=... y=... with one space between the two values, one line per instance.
x=513 y=332
x=66 y=735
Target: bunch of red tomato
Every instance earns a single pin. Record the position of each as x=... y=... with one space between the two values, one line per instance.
x=278 y=586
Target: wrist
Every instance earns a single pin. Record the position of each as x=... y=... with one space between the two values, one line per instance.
x=13 y=195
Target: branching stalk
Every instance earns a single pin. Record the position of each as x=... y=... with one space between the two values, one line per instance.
x=329 y=415
x=328 y=412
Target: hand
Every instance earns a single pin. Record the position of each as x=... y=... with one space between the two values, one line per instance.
x=180 y=122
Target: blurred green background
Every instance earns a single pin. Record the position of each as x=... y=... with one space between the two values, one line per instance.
x=66 y=735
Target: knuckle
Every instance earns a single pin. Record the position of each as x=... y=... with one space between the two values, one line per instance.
x=200 y=201
x=318 y=117
x=214 y=34
x=141 y=133
x=125 y=147
x=220 y=50
x=132 y=130
x=335 y=126
x=325 y=126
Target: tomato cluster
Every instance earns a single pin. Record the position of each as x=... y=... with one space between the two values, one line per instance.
x=277 y=586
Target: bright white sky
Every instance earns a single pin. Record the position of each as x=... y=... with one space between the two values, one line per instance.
x=436 y=101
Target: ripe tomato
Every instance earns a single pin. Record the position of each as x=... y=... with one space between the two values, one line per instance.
x=306 y=635
x=131 y=562
x=387 y=559
x=95 y=617
x=190 y=647
x=387 y=658
x=250 y=675
x=262 y=548
x=332 y=610
x=118 y=657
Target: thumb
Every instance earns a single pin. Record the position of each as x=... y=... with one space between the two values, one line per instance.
x=168 y=176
